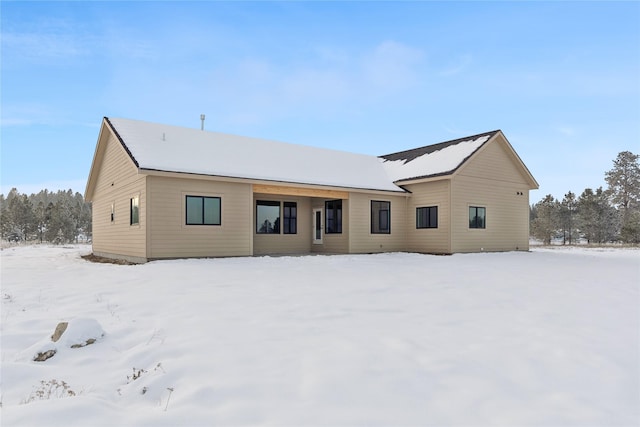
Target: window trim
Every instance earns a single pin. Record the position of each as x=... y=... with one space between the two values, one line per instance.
x=288 y=221
x=335 y=210
x=474 y=225
x=387 y=228
x=137 y=210
x=186 y=208
x=429 y=211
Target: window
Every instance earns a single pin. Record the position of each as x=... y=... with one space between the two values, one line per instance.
x=202 y=210
x=380 y=217
x=477 y=217
x=290 y=218
x=134 y=211
x=333 y=216
x=267 y=217
x=427 y=217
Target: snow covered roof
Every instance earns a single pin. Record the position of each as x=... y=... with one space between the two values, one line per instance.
x=168 y=148
x=160 y=147
x=433 y=160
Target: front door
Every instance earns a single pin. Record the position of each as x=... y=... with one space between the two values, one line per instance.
x=317 y=226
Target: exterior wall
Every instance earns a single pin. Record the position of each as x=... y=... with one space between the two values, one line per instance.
x=332 y=243
x=279 y=244
x=170 y=237
x=116 y=183
x=429 y=240
x=361 y=240
x=490 y=180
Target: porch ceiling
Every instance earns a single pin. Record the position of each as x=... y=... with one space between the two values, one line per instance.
x=299 y=191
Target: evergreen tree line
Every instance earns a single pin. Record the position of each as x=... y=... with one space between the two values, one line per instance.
x=61 y=217
x=600 y=216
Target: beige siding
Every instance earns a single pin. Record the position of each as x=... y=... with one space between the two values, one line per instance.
x=170 y=237
x=117 y=182
x=332 y=243
x=279 y=244
x=361 y=240
x=494 y=162
x=491 y=180
x=429 y=240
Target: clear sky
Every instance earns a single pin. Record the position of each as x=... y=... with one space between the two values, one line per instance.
x=561 y=79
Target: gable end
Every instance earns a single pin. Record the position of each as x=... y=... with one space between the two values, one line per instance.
x=427 y=153
x=115 y=132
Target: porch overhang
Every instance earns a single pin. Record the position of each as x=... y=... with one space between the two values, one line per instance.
x=300 y=191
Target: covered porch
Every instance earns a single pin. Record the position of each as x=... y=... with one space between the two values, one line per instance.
x=299 y=220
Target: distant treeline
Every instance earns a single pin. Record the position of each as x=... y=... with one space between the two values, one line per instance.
x=600 y=216
x=61 y=217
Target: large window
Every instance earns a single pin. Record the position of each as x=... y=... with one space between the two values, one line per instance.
x=333 y=216
x=290 y=218
x=477 y=217
x=134 y=211
x=267 y=217
x=203 y=210
x=427 y=217
x=380 y=217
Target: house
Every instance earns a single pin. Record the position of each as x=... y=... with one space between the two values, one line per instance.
x=161 y=191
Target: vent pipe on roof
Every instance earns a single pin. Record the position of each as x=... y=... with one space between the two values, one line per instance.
x=202 y=121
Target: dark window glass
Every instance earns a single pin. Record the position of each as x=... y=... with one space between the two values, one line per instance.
x=427 y=217
x=203 y=210
x=477 y=217
x=380 y=217
x=333 y=216
x=290 y=225
x=267 y=217
x=134 y=211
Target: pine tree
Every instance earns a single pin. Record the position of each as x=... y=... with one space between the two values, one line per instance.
x=4 y=223
x=630 y=231
x=567 y=209
x=43 y=215
x=543 y=226
x=20 y=216
x=598 y=220
x=624 y=187
x=61 y=227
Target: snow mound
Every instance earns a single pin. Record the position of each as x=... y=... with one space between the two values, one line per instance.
x=76 y=333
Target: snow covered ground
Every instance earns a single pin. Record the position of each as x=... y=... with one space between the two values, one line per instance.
x=549 y=337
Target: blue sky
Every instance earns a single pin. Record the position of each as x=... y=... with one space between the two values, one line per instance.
x=561 y=79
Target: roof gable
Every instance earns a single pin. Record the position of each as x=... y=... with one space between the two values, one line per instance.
x=494 y=170
x=433 y=160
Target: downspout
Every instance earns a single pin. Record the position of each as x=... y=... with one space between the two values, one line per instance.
x=450 y=233
x=407 y=221
x=147 y=215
